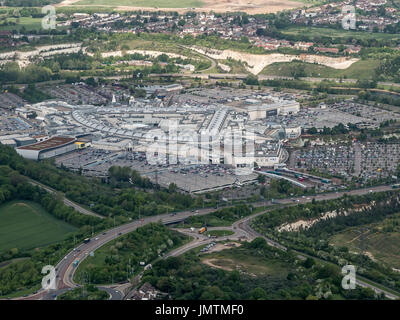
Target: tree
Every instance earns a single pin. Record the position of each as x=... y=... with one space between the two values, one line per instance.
x=261 y=178
x=308 y=263
x=172 y=188
x=258 y=243
x=258 y=294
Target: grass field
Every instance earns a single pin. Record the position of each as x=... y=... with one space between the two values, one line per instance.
x=239 y=258
x=372 y=240
x=26 y=225
x=91 y=293
x=146 y=3
x=27 y=22
x=336 y=33
x=363 y=69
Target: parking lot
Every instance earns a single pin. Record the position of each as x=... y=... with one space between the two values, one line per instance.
x=379 y=160
x=366 y=161
x=331 y=115
x=335 y=160
x=10 y=100
x=77 y=94
x=200 y=178
x=13 y=124
x=377 y=115
x=189 y=178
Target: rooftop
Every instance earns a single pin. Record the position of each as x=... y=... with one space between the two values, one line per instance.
x=48 y=144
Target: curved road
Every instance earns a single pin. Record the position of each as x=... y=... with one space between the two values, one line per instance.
x=242 y=230
x=65 y=269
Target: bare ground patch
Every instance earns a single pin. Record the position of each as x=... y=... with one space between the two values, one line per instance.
x=216 y=263
x=248 y=6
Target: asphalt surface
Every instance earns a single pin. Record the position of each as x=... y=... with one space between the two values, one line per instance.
x=65 y=269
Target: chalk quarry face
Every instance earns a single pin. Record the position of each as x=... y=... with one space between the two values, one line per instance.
x=255 y=63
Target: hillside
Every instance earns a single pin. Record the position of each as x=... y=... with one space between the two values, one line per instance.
x=248 y=6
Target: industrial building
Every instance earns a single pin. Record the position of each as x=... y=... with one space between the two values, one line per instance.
x=293 y=132
x=265 y=155
x=24 y=141
x=47 y=149
x=9 y=142
x=264 y=111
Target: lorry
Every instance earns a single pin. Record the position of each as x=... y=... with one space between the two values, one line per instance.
x=202 y=230
x=76 y=262
x=87 y=240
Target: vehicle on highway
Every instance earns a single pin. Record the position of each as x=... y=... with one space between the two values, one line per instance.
x=87 y=240
x=76 y=262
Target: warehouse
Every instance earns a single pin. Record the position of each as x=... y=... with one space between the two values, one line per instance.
x=47 y=149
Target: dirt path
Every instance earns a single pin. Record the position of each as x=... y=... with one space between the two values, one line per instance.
x=210 y=263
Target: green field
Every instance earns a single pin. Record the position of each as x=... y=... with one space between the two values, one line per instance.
x=27 y=22
x=337 y=33
x=373 y=240
x=240 y=259
x=363 y=69
x=146 y=3
x=91 y=293
x=26 y=225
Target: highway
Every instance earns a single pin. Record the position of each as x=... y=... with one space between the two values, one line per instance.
x=65 y=269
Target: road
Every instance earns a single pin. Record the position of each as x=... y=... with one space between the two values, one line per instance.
x=213 y=63
x=67 y=202
x=242 y=230
x=65 y=269
x=241 y=76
